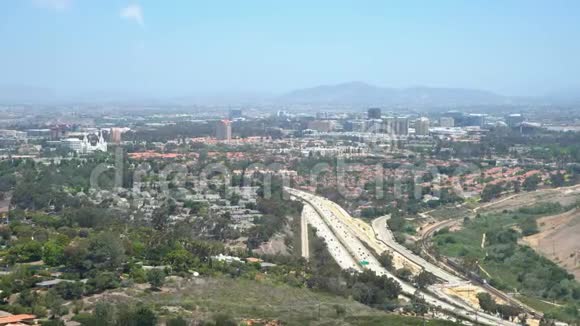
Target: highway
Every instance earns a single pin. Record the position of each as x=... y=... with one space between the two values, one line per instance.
x=384 y=234
x=335 y=248
x=347 y=234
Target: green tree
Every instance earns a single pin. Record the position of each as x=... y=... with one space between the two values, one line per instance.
x=419 y=305
x=53 y=253
x=70 y=290
x=54 y=302
x=25 y=252
x=486 y=302
x=103 y=281
x=386 y=260
x=106 y=251
x=104 y=314
x=180 y=260
x=424 y=279
x=404 y=274
x=143 y=316
x=138 y=274
x=156 y=278
x=491 y=191
x=27 y=298
x=557 y=180
x=177 y=321
x=392 y=288
x=76 y=256
x=531 y=183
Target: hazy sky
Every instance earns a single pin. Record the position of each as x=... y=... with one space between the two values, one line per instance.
x=170 y=47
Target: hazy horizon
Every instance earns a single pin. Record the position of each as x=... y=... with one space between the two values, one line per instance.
x=517 y=48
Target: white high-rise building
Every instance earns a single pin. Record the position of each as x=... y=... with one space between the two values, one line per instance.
x=224 y=130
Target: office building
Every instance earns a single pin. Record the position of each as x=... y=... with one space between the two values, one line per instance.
x=474 y=120
x=422 y=127
x=38 y=133
x=321 y=125
x=85 y=146
x=224 y=130
x=447 y=122
x=402 y=126
x=395 y=126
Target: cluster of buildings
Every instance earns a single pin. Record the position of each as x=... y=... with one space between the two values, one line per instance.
x=81 y=140
x=85 y=146
x=449 y=124
x=375 y=123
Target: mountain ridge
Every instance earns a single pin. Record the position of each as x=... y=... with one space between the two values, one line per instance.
x=360 y=93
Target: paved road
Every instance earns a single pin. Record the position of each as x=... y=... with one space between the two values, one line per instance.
x=304 y=235
x=360 y=253
x=335 y=248
x=385 y=235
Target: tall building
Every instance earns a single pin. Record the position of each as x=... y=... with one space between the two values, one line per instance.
x=422 y=127
x=374 y=113
x=401 y=126
x=224 y=130
x=388 y=126
x=374 y=126
x=447 y=122
x=116 y=135
x=395 y=126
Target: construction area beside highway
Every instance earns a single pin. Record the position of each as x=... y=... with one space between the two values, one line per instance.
x=355 y=245
x=557 y=237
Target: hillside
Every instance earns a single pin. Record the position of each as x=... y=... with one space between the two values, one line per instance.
x=358 y=93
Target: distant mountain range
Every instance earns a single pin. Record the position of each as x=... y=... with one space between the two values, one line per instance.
x=359 y=93
x=354 y=94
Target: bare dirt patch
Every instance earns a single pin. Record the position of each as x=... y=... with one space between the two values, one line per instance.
x=5 y=203
x=468 y=293
x=564 y=196
x=558 y=240
x=275 y=246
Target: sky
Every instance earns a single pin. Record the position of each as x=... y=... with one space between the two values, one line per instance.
x=180 y=47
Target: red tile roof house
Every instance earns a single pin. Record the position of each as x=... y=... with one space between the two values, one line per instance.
x=18 y=320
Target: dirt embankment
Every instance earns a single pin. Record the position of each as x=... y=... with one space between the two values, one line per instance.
x=564 y=196
x=558 y=240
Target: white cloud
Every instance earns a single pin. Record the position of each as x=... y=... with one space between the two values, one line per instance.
x=53 y=4
x=133 y=12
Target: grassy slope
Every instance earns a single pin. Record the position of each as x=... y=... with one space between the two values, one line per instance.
x=244 y=298
x=468 y=240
